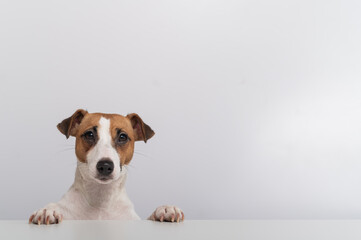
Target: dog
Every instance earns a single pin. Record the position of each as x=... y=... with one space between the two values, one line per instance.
x=104 y=147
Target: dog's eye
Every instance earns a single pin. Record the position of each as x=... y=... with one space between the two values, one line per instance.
x=89 y=135
x=122 y=138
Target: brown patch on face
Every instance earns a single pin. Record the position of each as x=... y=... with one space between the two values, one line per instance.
x=82 y=145
x=135 y=130
x=120 y=125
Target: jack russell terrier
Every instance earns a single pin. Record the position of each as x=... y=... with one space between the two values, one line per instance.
x=104 y=147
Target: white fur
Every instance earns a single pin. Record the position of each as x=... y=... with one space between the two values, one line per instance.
x=92 y=199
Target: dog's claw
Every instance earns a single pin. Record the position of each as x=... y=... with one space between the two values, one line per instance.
x=46 y=216
x=31 y=218
x=167 y=213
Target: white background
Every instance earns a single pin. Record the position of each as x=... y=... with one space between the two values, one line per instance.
x=256 y=105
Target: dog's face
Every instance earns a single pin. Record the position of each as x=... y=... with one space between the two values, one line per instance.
x=104 y=142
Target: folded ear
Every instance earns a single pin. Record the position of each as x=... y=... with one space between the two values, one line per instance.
x=141 y=130
x=69 y=126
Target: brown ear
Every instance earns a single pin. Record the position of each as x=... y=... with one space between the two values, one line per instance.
x=69 y=125
x=141 y=130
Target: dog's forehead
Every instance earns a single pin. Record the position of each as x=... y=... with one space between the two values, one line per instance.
x=116 y=121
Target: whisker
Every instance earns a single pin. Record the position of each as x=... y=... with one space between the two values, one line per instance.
x=66 y=149
x=142 y=154
x=130 y=166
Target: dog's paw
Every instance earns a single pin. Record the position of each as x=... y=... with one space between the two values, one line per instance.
x=46 y=216
x=168 y=214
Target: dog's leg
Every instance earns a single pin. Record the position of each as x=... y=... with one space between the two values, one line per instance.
x=167 y=213
x=50 y=214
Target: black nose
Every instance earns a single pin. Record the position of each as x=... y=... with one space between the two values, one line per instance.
x=105 y=167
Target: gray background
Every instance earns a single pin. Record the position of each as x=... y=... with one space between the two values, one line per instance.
x=256 y=104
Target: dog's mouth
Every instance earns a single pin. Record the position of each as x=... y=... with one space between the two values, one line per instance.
x=103 y=179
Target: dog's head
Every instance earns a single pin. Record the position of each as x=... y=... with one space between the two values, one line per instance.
x=104 y=142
